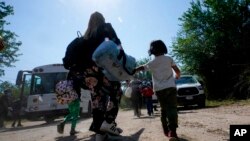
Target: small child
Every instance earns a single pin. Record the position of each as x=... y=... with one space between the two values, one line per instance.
x=73 y=106
x=164 y=85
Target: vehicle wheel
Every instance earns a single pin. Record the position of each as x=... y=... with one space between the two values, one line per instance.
x=49 y=119
x=202 y=104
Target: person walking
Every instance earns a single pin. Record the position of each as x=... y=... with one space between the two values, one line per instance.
x=136 y=97
x=106 y=94
x=73 y=106
x=4 y=104
x=147 y=92
x=86 y=74
x=164 y=86
x=16 y=107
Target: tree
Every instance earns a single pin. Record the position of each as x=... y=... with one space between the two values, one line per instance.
x=143 y=74
x=14 y=89
x=8 y=56
x=214 y=43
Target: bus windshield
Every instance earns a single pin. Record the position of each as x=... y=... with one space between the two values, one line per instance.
x=44 y=83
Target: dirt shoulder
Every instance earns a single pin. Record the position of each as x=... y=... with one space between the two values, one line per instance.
x=208 y=124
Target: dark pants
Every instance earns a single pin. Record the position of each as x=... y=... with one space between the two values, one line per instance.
x=149 y=104
x=16 y=118
x=105 y=105
x=168 y=103
x=16 y=111
x=2 y=118
x=105 y=95
x=137 y=103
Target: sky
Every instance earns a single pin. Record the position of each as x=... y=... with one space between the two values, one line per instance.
x=46 y=27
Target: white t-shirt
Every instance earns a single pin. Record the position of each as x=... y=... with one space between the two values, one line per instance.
x=162 y=73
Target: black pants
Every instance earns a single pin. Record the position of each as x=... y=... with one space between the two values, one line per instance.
x=105 y=95
x=105 y=105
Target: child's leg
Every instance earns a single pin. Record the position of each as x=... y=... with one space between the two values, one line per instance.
x=168 y=102
x=151 y=105
x=162 y=97
x=148 y=105
x=74 y=109
x=172 y=109
x=109 y=124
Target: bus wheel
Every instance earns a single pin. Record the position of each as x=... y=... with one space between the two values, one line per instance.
x=49 y=119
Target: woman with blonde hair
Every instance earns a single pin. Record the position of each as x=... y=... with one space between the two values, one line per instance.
x=86 y=74
x=105 y=93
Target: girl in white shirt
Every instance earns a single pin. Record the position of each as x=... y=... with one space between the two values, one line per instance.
x=164 y=86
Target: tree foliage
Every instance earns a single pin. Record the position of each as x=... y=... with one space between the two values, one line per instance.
x=146 y=75
x=8 y=56
x=214 y=43
x=13 y=88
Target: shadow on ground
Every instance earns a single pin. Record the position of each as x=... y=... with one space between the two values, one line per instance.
x=39 y=125
x=133 y=137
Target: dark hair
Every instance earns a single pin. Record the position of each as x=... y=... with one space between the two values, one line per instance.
x=157 y=47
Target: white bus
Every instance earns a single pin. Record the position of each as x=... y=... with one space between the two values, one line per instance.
x=38 y=92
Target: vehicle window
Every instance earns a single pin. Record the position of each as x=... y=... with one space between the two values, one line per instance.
x=185 y=80
x=44 y=83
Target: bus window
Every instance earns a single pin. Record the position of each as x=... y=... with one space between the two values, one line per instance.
x=44 y=83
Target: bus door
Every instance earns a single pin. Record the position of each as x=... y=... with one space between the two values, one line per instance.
x=23 y=82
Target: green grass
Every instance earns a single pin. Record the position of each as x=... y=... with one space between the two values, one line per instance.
x=214 y=103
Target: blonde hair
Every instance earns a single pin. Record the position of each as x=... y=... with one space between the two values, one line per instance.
x=96 y=19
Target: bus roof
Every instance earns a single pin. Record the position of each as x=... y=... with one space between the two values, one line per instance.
x=50 y=68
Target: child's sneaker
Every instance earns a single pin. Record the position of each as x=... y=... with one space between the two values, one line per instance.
x=73 y=132
x=110 y=128
x=60 y=128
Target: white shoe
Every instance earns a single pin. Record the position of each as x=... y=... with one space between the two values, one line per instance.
x=110 y=128
x=100 y=137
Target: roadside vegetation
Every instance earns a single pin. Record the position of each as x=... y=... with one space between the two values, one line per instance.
x=227 y=102
x=213 y=43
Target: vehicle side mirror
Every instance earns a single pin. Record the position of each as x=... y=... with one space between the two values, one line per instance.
x=202 y=83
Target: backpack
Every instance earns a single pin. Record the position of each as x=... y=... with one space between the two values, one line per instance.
x=78 y=55
x=147 y=91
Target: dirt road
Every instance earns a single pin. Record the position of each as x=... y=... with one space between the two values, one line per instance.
x=208 y=124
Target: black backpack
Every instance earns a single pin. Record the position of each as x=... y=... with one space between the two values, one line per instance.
x=78 y=55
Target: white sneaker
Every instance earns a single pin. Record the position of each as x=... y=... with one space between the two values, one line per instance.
x=100 y=137
x=110 y=128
